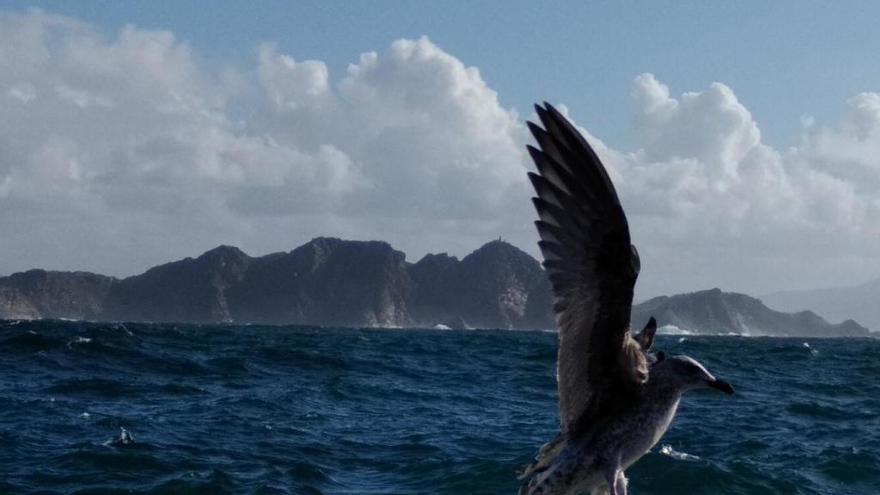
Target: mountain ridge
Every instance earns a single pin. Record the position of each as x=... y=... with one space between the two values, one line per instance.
x=861 y=302
x=334 y=282
x=713 y=311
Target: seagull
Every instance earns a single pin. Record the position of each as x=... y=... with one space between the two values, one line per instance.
x=616 y=397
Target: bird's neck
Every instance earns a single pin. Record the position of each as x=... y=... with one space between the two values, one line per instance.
x=664 y=383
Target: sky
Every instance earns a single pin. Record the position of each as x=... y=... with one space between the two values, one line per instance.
x=743 y=138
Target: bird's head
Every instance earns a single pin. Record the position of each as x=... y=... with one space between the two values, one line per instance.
x=688 y=374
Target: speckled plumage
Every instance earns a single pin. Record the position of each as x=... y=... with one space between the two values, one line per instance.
x=615 y=399
x=616 y=443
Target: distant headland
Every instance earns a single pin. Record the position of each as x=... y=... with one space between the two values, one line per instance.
x=336 y=282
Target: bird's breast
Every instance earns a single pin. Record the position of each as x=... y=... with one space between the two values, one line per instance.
x=648 y=427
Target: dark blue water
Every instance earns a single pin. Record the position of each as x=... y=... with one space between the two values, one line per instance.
x=263 y=410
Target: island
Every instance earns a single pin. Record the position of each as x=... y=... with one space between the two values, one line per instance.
x=335 y=282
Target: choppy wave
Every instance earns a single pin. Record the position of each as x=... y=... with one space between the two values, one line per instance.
x=167 y=409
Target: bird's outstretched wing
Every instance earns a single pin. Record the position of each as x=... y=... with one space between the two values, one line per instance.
x=592 y=267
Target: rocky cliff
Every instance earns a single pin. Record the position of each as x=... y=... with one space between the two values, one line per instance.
x=188 y=290
x=861 y=302
x=328 y=282
x=496 y=286
x=354 y=283
x=716 y=312
x=51 y=294
x=324 y=282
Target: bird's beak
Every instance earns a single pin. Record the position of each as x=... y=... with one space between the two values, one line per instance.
x=721 y=385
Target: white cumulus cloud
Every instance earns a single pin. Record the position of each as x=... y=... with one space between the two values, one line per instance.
x=118 y=152
x=717 y=206
x=125 y=151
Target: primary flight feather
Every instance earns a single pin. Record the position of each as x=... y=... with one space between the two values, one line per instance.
x=615 y=399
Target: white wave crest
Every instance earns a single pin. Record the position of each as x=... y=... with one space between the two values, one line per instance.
x=674 y=330
x=667 y=450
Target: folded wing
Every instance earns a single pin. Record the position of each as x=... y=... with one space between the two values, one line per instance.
x=592 y=267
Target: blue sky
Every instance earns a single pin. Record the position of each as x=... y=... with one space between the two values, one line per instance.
x=743 y=137
x=784 y=59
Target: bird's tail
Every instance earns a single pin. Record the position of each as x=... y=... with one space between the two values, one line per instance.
x=544 y=459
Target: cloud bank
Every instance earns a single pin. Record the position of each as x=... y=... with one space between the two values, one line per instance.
x=121 y=152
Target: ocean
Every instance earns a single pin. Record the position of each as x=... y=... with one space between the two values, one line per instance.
x=90 y=408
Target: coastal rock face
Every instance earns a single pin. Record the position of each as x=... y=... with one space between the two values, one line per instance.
x=496 y=286
x=716 y=312
x=328 y=282
x=15 y=306
x=189 y=290
x=324 y=282
x=335 y=282
x=51 y=294
x=861 y=302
